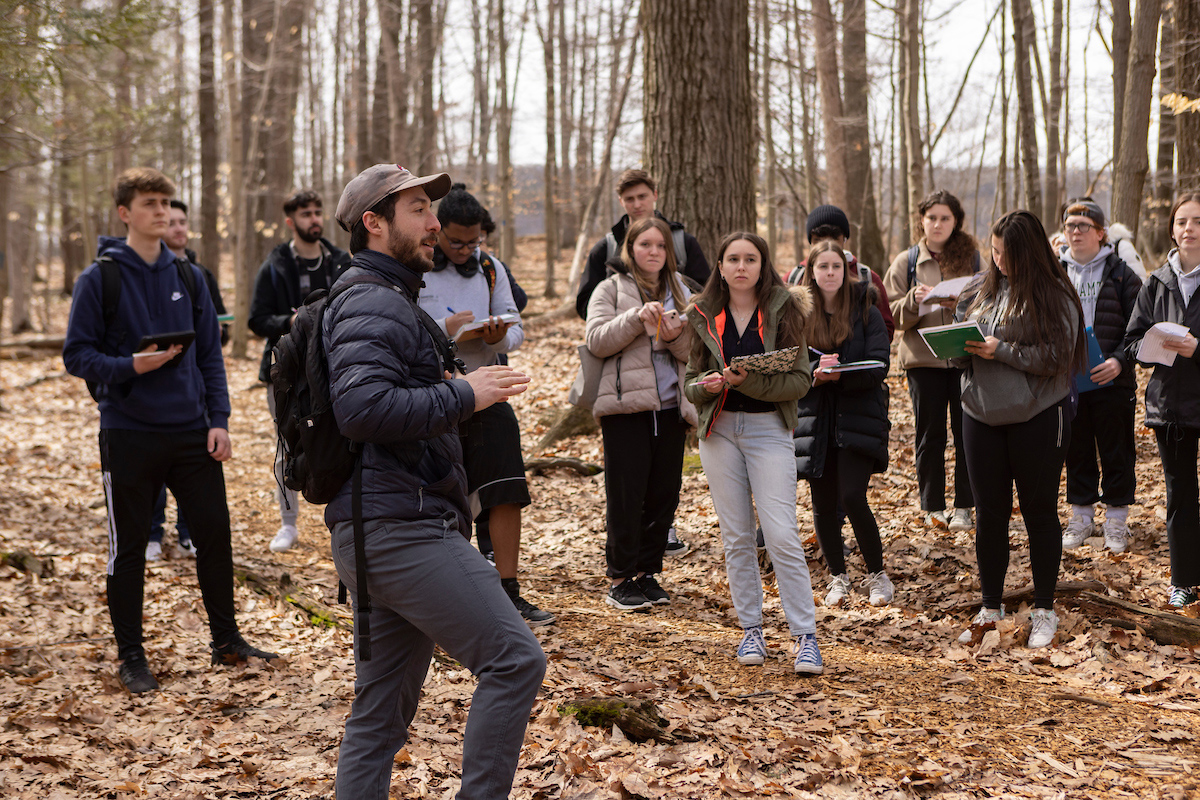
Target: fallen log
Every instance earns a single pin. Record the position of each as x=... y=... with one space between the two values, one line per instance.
x=571 y=421
x=36 y=342
x=27 y=562
x=1025 y=594
x=292 y=593
x=1161 y=626
x=584 y=468
x=638 y=719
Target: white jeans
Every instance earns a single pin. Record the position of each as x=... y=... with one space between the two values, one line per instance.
x=750 y=462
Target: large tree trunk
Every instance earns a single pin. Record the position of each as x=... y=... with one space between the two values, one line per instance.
x=426 y=55
x=825 y=33
x=914 y=149
x=699 y=143
x=768 y=127
x=361 y=93
x=549 y=212
x=1133 y=158
x=1121 y=34
x=241 y=309
x=1187 y=82
x=210 y=241
x=507 y=221
x=1053 y=136
x=1164 y=175
x=860 y=194
x=1024 y=40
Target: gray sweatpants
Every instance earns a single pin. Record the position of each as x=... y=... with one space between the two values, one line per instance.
x=429 y=585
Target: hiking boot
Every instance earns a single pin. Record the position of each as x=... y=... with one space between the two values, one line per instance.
x=839 y=590
x=1044 y=624
x=1116 y=535
x=675 y=547
x=1078 y=529
x=882 y=590
x=285 y=538
x=808 y=655
x=753 y=649
x=154 y=551
x=1182 y=596
x=136 y=675
x=626 y=596
x=187 y=548
x=532 y=615
x=238 y=651
x=961 y=520
x=653 y=592
x=938 y=519
x=986 y=619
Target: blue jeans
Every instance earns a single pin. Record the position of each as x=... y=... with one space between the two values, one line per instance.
x=429 y=585
x=160 y=519
x=750 y=463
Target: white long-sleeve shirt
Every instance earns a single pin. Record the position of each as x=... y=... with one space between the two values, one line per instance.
x=446 y=293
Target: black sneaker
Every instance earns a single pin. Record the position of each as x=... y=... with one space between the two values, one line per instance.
x=136 y=675
x=652 y=591
x=532 y=615
x=675 y=547
x=238 y=651
x=760 y=543
x=626 y=596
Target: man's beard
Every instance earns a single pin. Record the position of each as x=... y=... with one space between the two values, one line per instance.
x=312 y=235
x=408 y=251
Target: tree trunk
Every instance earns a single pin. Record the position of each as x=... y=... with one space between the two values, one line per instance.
x=426 y=53
x=825 y=33
x=700 y=142
x=565 y=188
x=914 y=152
x=1023 y=40
x=1121 y=35
x=19 y=251
x=1187 y=82
x=508 y=239
x=1133 y=158
x=1164 y=176
x=210 y=241
x=860 y=194
x=770 y=203
x=5 y=245
x=1053 y=136
x=549 y=170
x=236 y=104
x=362 y=105
x=1000 y=204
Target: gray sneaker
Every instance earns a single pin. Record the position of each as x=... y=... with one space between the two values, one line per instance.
x=1078 y=529
x=881 y=588
x=1044 y=624
x=937 y=519
x=985 y=620
x=1116 y=535
x=839 y=590
x=961 y=520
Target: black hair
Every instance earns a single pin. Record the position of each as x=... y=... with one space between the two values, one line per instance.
x=385 y=208
x=461 y=208
x=301 y=199
x=179 y=204
x=823 y=232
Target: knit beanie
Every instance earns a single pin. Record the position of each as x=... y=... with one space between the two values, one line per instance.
x=827 y=215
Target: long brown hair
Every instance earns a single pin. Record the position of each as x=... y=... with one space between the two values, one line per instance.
x=826 y=328
x=667 y=278
x=958 y=254
x=1039 y=290
x=715 y=294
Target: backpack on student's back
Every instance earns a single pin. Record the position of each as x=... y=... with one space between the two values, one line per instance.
x=914 y=253
x=317 y=458
x=110 y=301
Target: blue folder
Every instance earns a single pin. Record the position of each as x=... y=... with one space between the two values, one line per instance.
x=1083 y=381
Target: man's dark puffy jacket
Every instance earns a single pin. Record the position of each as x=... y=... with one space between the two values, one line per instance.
x=388 y=390
x=856 y=404
x=596 y=269
x=1173 y=393
x=1119 y=287
x=277 y=295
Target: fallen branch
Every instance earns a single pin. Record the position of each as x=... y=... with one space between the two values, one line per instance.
x=291 y=593
x=584 y=468
x=27 y=562
x=1080 y=698
x=1161 y=626
x=571 y=421
x=1025 y=594
x=637 y=719
x=36 y=342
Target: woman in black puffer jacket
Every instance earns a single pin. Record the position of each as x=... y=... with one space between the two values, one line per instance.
x=842 y=429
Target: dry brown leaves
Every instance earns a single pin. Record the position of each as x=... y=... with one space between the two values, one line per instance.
x=902 y=709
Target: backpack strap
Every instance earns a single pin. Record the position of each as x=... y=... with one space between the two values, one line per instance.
x=110 y=289
x=187 y=274
x=913 y=253
x=488 y=268
x=611 y=242
x=362 y=605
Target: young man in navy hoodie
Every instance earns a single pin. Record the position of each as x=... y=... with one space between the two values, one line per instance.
x=161 y=422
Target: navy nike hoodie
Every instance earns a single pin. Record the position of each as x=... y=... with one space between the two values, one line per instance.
x=191 y=395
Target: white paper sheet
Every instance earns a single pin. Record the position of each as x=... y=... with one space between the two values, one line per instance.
x=1151 y=350
x=943 y=291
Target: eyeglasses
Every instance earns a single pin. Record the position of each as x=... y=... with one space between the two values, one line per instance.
x=454 y=244
x=1078 y=227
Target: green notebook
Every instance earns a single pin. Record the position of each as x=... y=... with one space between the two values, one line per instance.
x=948 y=341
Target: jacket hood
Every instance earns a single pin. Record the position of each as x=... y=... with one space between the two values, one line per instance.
x=1096 y=261
x=1118 y=231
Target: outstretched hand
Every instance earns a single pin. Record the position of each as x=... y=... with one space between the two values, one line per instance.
x=495 y=384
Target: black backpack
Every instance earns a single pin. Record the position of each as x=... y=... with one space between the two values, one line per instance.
x=317 y=458
x=914 y=253
x=110 y=301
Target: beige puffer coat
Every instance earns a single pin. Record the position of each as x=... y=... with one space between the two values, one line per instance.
x=912 y=351
x=628 y=384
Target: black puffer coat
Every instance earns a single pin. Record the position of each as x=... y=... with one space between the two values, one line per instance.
x=1173 y=393
x=855 y=405
x=1119 y=287
x=388 y=390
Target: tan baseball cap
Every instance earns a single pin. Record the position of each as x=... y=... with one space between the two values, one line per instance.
x=377 y=182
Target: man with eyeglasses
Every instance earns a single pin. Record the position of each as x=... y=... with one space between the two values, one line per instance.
x=1108 y=289
x=470 y=296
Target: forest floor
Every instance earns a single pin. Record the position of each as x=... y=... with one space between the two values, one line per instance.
x=901 y=710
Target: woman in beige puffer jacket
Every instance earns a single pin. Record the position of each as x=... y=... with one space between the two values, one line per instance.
x=635 y=324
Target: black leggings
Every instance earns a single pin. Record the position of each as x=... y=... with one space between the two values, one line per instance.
x=1177 y=447
x=933 y=392
x=844 y=481
x=1031 y=455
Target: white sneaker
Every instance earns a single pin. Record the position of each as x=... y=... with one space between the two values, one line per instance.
x=284 y=539
x=1116 y=535
x=881 y=588
x=1044 y=626
x=187 y=548
x=938 y=519
x=1078 y=529
x=154 y=551
x=961 y=520
x=839 y=590
x=986 y=618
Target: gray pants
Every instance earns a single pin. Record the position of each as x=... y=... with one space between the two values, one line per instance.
x=429 y=585
x=288 y=499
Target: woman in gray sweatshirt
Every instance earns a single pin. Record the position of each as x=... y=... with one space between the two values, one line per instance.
x=1017 y=408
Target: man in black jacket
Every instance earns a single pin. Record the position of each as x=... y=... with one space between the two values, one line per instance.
x=638 y=195
x=426 y=584
x=292 y=271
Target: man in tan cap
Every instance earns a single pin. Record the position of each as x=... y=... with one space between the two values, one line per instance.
x=389 y=372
